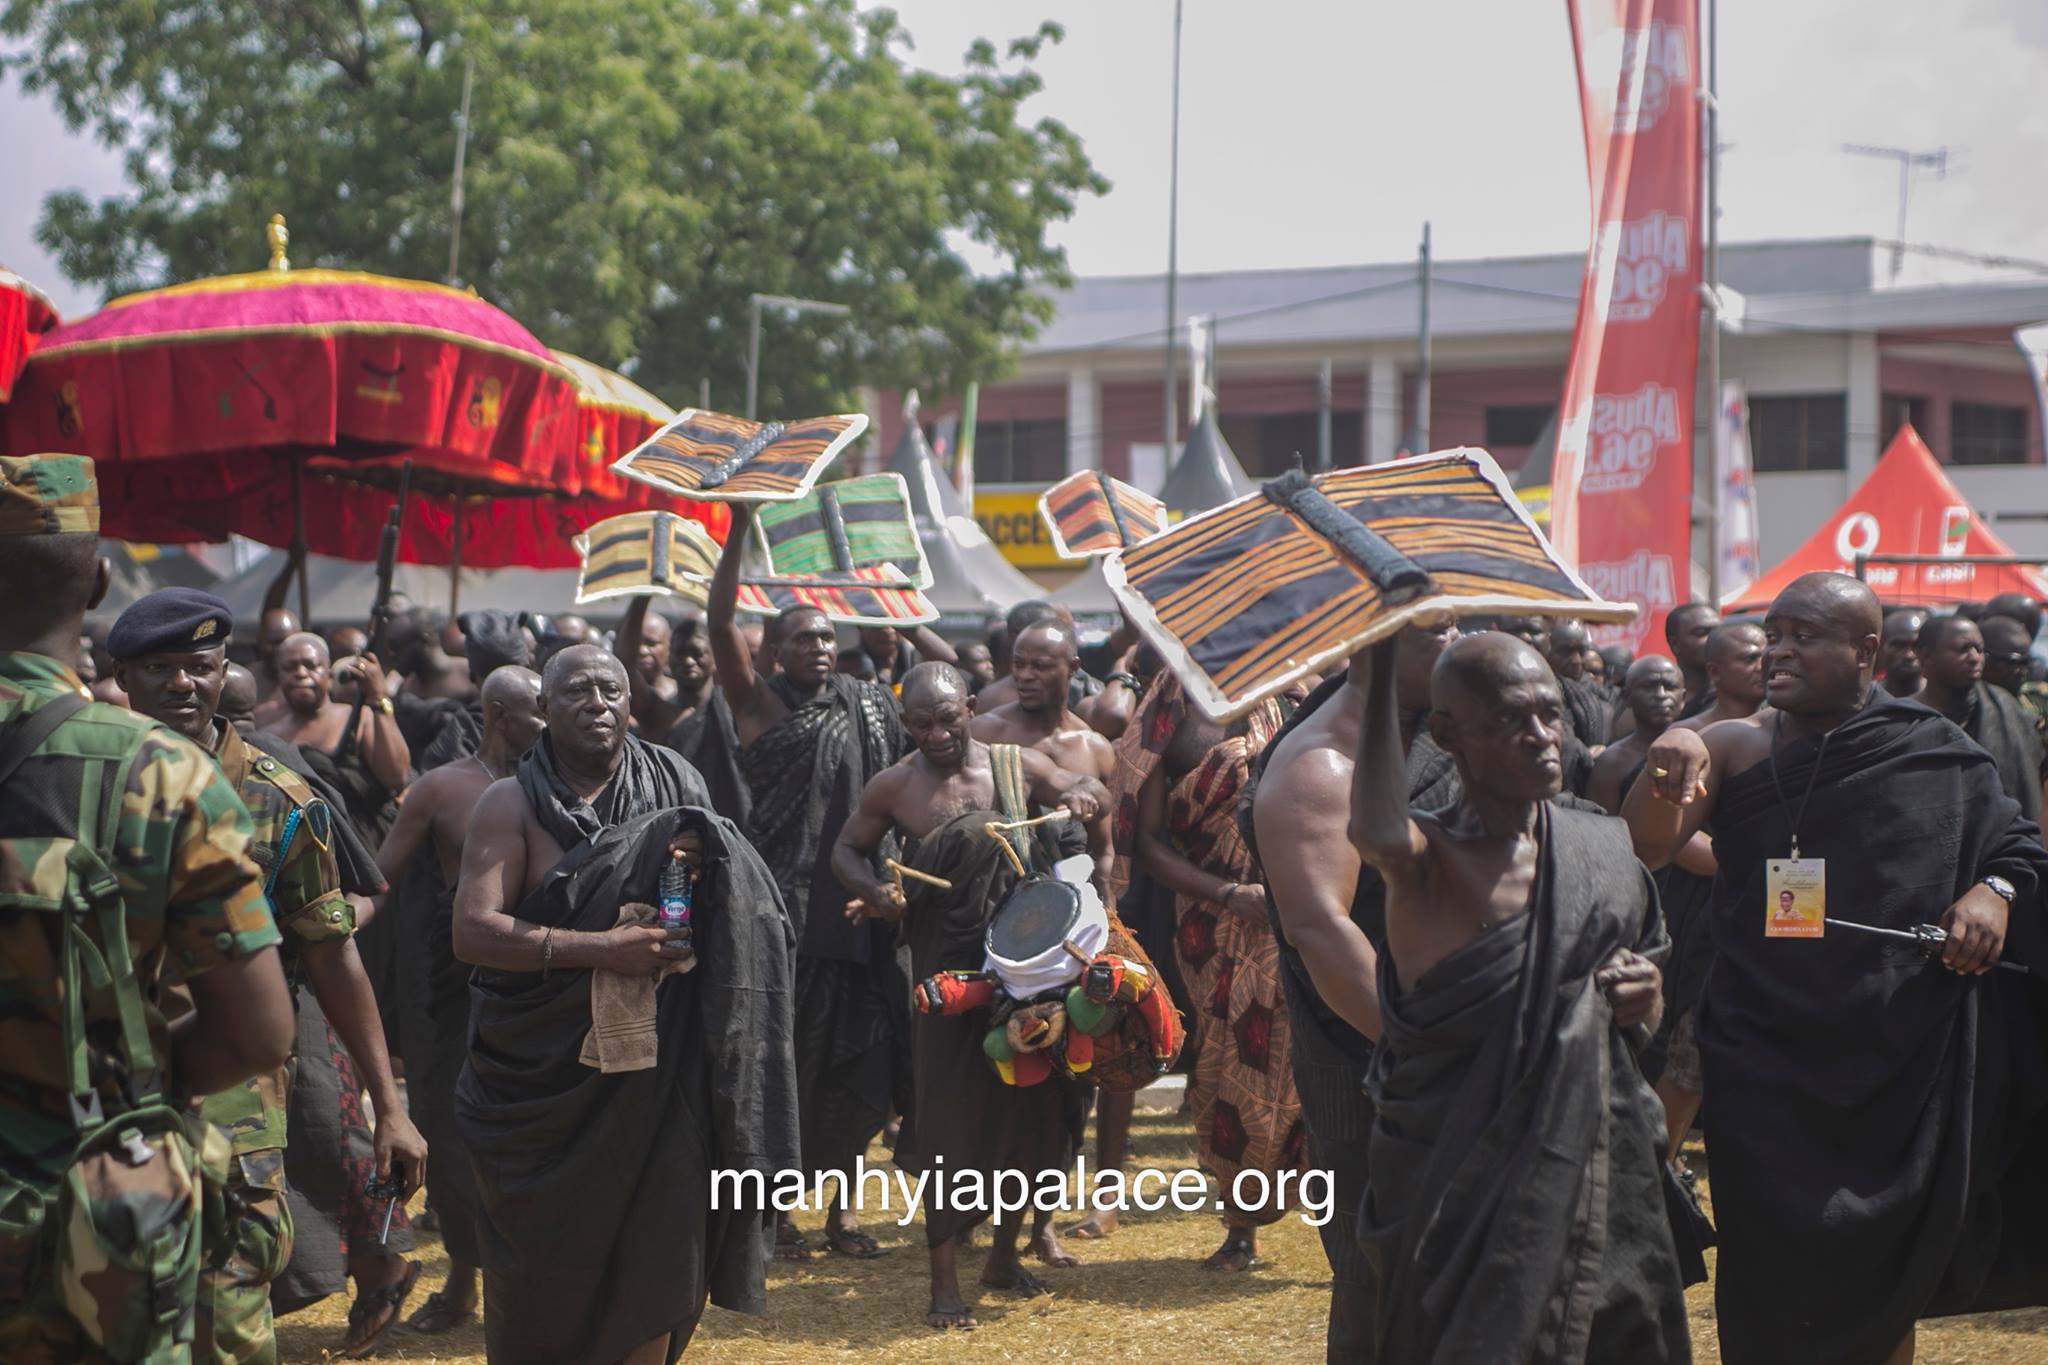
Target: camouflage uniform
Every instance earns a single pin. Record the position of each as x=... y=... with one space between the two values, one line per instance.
x=234 y=1298
x=193 y=897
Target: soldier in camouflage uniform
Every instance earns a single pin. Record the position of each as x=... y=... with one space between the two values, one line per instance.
x=190 y=892
x=170 y=653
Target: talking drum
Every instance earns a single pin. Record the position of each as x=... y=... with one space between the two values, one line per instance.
x=1067 y=986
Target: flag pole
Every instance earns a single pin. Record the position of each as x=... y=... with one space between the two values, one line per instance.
x=461 y=154
x=1711 y=289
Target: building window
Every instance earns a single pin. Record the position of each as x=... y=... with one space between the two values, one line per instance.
x=1900 y=411
x=1021 y=452
x=1516 y=424
x=1799 y=431
x=1986 y=433
x=1267 y=446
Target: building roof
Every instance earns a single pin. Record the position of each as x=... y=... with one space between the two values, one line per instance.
x=1839 y=283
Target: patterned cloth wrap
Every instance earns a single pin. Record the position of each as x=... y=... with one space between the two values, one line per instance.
x=1241 y=1092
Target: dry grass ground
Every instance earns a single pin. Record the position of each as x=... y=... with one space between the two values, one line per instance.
x=1138 y=1297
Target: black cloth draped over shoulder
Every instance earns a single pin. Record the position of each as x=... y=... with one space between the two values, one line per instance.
x=805 y=775
x=648 y=779
x=598 y=1224
x=1867 y=1109
x=1992 y=716
x=1516 y=1209
x=710 y=743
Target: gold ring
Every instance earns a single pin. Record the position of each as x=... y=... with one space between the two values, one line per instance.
x=1660 y=772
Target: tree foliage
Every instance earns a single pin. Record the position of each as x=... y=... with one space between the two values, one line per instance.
x=635 y=169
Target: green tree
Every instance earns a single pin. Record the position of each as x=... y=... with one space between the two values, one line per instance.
x=636 y=168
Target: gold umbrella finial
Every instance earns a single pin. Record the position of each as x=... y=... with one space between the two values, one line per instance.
x=280 y=237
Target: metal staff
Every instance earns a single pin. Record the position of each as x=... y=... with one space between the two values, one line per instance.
x=1928 y=939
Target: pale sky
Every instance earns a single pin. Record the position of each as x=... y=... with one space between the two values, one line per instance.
x=1322 y=132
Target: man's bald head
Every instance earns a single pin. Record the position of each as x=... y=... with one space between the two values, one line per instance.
x=2016 y=607
x=1831 y=597
x=1568 y=647
x=931 y=681
x=1822 y=634
x=238 y=699
x=512 y=713
x=1496 y=708
x=1053 y=634
x=1654 y=690
x=307 y=639
x=574 y=659
x=1735 y=663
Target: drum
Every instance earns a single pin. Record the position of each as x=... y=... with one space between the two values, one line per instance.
x=1128 y=1057
x=1030 y=932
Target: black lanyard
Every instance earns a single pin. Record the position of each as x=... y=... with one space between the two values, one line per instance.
x=1777 y=730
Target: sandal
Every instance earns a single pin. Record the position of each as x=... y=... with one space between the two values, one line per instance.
x=372 y=1316
x=441 y=1313
x=790 y=1245
x=854 y=1243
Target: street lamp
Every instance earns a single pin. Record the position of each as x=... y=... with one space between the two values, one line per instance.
x=754 y=302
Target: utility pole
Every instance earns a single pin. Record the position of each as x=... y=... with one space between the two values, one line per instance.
x=461 y=154
x=1422 y=353
x=754 y=302
x=1908 y=159
x=1323 y=416
x=1173 y=253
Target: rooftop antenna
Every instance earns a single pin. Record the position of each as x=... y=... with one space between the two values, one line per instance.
x=1908 y=159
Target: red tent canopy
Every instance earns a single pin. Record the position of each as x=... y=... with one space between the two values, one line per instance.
x=1906 y=507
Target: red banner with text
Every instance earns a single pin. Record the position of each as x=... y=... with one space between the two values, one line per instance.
x=1621 y=487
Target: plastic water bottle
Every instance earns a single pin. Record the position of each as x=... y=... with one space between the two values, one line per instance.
x=678 y=894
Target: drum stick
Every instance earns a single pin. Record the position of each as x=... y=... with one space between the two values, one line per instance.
x=1057 y=813
x=927 y=878
x=994 y=830
x=1076 y=953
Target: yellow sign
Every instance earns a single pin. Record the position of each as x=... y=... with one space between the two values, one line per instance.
x=1010 y=519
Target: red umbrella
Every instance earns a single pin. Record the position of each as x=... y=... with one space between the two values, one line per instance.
x=267 y=403
x=26 y=313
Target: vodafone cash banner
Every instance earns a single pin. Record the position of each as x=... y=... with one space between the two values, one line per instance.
x=1621 y=488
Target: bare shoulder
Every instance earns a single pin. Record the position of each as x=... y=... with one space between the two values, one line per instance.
x=991 y=726
x=1737 y=744
x=501 y=810
x=1306 y=782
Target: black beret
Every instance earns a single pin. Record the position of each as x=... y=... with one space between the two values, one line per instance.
x=492 y=640
x=171 y=621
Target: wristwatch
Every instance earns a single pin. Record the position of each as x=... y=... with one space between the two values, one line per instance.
x=385 y=707
x=2003 y=888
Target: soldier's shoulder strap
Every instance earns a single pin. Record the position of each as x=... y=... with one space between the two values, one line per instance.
x=23 y=737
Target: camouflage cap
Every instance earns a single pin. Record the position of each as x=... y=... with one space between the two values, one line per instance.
x=48 y=495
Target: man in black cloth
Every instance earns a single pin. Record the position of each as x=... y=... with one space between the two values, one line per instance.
x=1951 y=651
x=1569 y=648
x=1516 y=1209
x=1898 y=658
x=2007 y=654
x=810 y=738
x=1655 y=692
x=962 y=1116
x=598 y=1236
x=645 y=644
x=1685 y=632
x=1328 y=921
x=422 y=860
x=491 y=640
x=1863 y=1098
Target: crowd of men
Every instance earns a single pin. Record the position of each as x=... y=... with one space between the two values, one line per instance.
x=1484 y=925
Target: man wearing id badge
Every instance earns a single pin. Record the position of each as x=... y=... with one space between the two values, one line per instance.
x=1863 y=1098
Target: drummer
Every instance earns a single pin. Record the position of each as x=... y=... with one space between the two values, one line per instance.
x=963 y=1118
